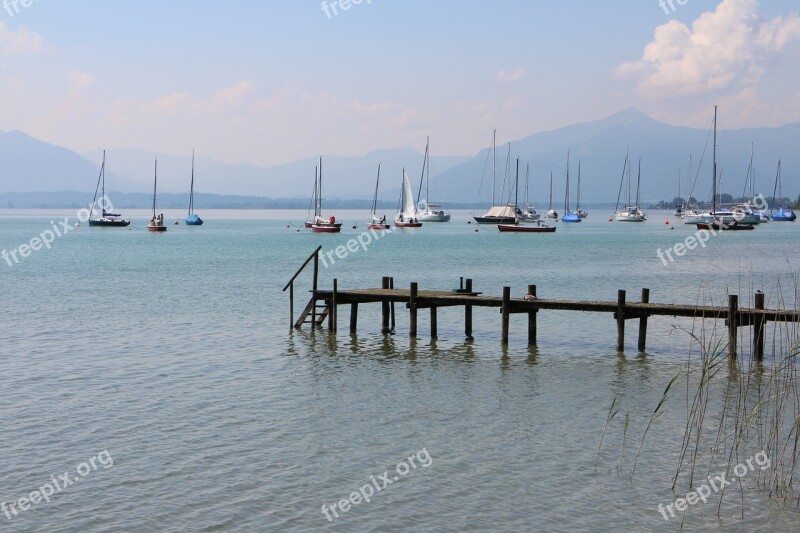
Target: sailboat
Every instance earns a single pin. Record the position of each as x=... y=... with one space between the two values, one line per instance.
x=407 y=216
x=536 y=227
x=722 y=220
x=497 y=214
x=551 y=213
x=322 y=224
x=780 y=214
x=430 y=212
x=630 y=212
x=578 y=211
x=375 y=222
x=192 y=219
x=157 y=222
x=108 y=220
x=528 y=214
x=568 y=216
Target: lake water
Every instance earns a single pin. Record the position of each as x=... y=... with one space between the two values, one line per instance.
x=171 y=354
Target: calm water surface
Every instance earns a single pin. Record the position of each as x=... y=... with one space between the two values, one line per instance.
x=173 y=353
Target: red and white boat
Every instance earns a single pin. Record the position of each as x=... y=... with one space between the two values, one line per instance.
x=321 y=224
x=408 y=216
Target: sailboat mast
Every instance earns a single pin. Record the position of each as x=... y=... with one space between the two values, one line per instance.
x=527 y=183
x=375 y=198
x=191 y=188
x=638 y=181
x=516 y=187
x=494 y=162
x=155 y=186
x=319 y=190
x=103 y=173
x=550 y=205
x=566 y=193
x=578 y=204
x=428 y=169
x=422 y=176
x=714 y=167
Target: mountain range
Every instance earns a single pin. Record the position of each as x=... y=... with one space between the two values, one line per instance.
x=28 y=165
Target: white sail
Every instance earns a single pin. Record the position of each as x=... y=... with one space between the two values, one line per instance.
x=409 y=207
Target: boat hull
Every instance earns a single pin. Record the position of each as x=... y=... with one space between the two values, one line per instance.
x=379 y=226
x=495 y=220
x=570 y=217
x=514 y=228
x=434 y=217
x=99 y=223
x=193 y=220
x=399 y=224
x=326 y=228
x=735 y=226
x=157 y=229
x=783 y=215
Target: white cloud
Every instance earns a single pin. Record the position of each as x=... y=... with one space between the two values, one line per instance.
x=18 y=42
x=725 y=50
x=510 y=76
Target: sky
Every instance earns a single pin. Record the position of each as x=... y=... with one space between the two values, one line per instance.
x=271 y=82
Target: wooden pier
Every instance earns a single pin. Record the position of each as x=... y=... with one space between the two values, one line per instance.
x=324 y=305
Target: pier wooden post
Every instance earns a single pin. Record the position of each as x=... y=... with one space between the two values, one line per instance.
x=385 y=308
x=468 y=313
x=505 y=310
x=733 y=323
x=620 y=320
x=391 y=306
x=353 y=317
x=332 y=311
x=758 y=328
x=643 y=321
x=412 y=310
x=434 y=325
x=532 y=318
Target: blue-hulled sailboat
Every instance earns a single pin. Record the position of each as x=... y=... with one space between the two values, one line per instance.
x=780 y=214
x=192 y=219
x=568 y=216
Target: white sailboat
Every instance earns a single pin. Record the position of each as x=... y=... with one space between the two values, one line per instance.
x=429 y=212
x=376 y=222
x=528 y=215
x=497 y=214
x=551 y=213
x=407 y=216
x=631 y=212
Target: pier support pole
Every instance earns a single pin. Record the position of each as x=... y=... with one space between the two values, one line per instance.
x=291 y=305
x=468 y=314
x=758 y=328
x=621 y=321
x=385 y=308
x=434 y=325
x=412 y=310
x=332 y=312
x=733 y=324
x=505 y=310
x=532 y=318
x=391 y=306
x=643 y=321
x=353 y=317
